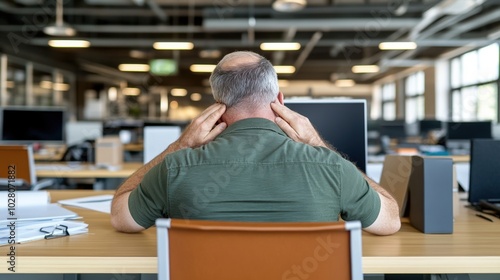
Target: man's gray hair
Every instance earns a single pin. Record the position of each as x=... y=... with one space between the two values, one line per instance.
x=253 y=79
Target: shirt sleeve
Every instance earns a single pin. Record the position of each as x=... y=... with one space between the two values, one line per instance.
x=358 y=200
x=148 y=201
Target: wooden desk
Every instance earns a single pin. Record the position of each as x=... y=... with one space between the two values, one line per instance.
x=474 y=247
x=82 y=171
x=86 y=171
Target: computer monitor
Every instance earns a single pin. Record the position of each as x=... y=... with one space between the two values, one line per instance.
x=158 y=138
x=342 y=123
x=426 y=126
x=484 y=178
x=79 y=131
x=27 y=125
x=459 y=134
x=395 y=129
x=468 y=130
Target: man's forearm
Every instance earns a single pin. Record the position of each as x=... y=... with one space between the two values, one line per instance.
x=133 y=181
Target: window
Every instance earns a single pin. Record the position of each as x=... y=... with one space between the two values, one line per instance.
x=474 y=85
x=389 y=101
x=414 y=97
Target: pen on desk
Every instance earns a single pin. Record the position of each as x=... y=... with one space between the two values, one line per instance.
x=484 y=217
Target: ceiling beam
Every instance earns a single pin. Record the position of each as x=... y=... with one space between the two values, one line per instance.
x=326 y=24
x=141 y=42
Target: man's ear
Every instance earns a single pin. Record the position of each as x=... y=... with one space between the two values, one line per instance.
x=280 y=98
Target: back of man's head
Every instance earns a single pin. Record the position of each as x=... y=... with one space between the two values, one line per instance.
x=244 y=76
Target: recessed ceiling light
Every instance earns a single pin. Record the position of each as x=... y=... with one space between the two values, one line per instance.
x=344 y=83
x=133 y=67
x=69 y=43
x=284 y=69
x=60 y=86
x=173 y=46
x=281 y=46
x=174 y=104
x=204 y=68
x=137 y=54
x=178 y=92
x=289 y=5
x=365 y=69
x=397 y=46
x=210 y=53
x=195 y=96
x=131 y=91
x=46 y=84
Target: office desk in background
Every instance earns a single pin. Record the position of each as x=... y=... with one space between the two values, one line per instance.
x=474 y=247
x=85 y=171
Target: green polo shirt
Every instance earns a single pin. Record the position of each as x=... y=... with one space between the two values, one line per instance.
x=254 y=172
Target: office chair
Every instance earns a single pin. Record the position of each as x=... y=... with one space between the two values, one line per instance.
x=17 y=167
x=193 y=249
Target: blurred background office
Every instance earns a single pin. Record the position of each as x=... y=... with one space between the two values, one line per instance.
x=428 y=70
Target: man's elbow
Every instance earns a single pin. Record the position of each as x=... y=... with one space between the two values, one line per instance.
x=122 y=226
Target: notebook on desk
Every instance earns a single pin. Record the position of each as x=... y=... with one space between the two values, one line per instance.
x=484 y=178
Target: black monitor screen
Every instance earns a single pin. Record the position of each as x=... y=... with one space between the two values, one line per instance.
x=342 y=123
x=32 y=125
x=468 y=130
x=425 y=126
x=393 y=129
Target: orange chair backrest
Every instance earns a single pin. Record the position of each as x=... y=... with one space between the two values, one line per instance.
x=189 y=249
x=16 y=161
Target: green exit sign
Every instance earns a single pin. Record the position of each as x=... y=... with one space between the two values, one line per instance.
x=163 y=67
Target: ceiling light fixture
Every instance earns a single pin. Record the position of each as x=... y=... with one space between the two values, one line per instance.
x=178 y=92
x=59 y=28
x=210 y=53
x=131 y=91
x=289 y=5
x=137 y=54
x=69 y=43
x=195 y=96
x=46 y=84
x=283 y=46
x=173 y=46
x=133 y=67
x=284 y=69
x=60 y=86
x=203 y=68
x=345 y=83
x=397 y=46
x=365 y=69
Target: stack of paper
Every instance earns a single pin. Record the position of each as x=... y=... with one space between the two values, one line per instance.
x=28 y=215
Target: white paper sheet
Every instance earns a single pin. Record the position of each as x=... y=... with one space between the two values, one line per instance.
x=101 y=203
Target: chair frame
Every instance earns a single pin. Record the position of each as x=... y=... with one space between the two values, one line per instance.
x=163 y=225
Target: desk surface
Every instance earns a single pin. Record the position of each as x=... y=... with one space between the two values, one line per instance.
x=474 y=247
x=62 y=170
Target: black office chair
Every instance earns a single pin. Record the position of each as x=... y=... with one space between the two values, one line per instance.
x=80 y=152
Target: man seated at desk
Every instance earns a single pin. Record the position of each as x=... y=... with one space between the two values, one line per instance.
x=250 y=158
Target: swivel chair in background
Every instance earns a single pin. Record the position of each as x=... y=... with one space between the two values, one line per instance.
x=17 y=168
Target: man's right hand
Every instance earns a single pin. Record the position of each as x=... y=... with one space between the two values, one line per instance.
x=202 y=129
x=296 y=126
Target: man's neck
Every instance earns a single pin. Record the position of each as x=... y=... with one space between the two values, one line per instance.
x=233 y=115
